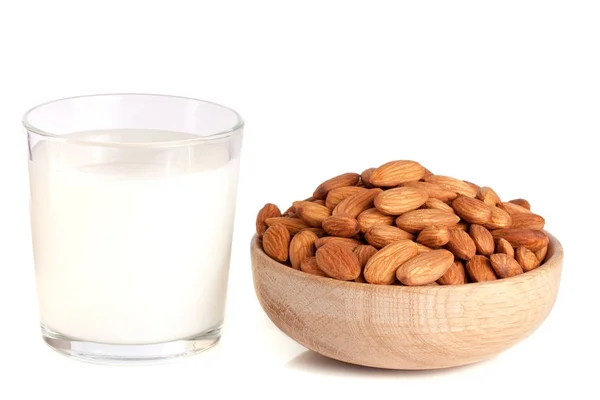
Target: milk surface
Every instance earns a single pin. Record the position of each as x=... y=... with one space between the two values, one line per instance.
x=132 y=245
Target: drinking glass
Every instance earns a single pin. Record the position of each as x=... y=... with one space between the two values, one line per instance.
x=132 y=207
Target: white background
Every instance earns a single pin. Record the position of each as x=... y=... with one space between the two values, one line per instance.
x=505 y=94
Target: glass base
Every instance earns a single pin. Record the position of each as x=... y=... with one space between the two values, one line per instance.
x=142 y=354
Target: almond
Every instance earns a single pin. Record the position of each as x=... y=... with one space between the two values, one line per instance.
x=483 y=239
x=421 y=248
x=312 y=213
x=502 y=246
x=394 y=173
x=320 y=202
x=521 y=202
x=527 y=220
x=276 y=242
x=414 y=221
x=293 y=225
x=461 y=244
x=530 y=238
x=513 y=209
x=456 y=185
x=339 y=241
x=341 y=225
x=309 y=265
x=381 y=235
x=365 y=177
x=433 y=191
x=336 y=195
x=302 y=245
x=541 y=254
x=480 y=269
x=488 y=196
x=425 y=268
x=338 y=262
x=462 y=226
x=472 y=210
x=317 y=231
x=372 y=216
x=269 y=210
x=348 y=179
x=473 y=185
x=400 y=200
x=505 y=266
x=456 y=275
x=527 y=259
x=381 y=267
x=437 y=204
x=290 y=212
x=364 y=253
x=434 y=236
x=499 y=219
x=357 y=203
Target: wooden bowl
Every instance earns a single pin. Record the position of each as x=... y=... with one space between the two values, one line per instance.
x=401 y=327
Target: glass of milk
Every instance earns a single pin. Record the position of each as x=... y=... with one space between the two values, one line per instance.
x=132 y=207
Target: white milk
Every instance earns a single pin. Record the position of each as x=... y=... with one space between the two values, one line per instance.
x=132 y=246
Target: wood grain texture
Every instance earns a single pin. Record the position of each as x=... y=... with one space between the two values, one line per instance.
x=398 y=327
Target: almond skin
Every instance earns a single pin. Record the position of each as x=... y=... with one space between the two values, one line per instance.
x=502 y=246
x=309 y=265
x=499 y=219
x=483 y=239
x=400 y=200
x=371 y=217
x=461 y=244
x=312 y=213
x=348 y=179
x=381 y=267
x=276 y=242
x=293 y=225
x=320 y=202
x=472 y=210
x=530 y=238
x=365 y=177
x=341 y=225
x=462 y=225
x=394 y=173
x=339 y=241
x=269 y=210
x=527 y=259
x=456 y=185
x=364 y=253
x=433 y=191
x=417 y=220
x=336 y=195
x=353 y=205
x=505 y=266
x=338 y=262
x=480 y=269
x=434 y=236
x=381 y=235
x=521 y=202
x=302 y=245
x=541 y=254
x=456 y=275
x=317 y=231
x=437 y=204
x=488 y=196
x=425 y=268
x=512 y=208
x=527 y=220
x=421 y=248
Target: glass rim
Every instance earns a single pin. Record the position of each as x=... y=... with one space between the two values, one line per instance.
x=239 y=123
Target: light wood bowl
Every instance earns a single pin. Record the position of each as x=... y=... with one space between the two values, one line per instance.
x=401 y=327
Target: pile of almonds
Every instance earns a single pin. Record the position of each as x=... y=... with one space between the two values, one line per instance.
x=401 y=224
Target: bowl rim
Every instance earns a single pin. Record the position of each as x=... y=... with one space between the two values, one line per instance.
x=553 y=260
